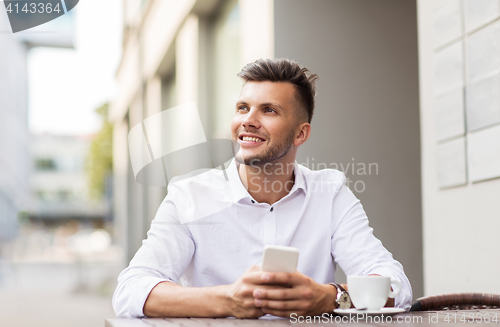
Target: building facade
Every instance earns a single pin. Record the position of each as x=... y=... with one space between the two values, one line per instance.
x=14 y=137
x=59 y=182
x=15 y=158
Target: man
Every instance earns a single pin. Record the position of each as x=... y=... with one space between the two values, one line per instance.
x=210 y=233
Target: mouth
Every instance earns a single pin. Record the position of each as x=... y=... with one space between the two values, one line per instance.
x=251 y=139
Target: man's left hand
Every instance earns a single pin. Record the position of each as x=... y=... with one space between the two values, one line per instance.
x=303 y=296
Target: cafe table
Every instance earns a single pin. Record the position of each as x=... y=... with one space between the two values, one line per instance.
x=478 y=317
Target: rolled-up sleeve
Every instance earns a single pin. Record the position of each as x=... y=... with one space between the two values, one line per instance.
x=163 y=256
x=358 y=251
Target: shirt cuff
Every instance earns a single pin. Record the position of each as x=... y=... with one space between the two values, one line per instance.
x=403 y=299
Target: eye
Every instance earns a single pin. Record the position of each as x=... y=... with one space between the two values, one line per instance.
x=240 y=108
x=269 y=109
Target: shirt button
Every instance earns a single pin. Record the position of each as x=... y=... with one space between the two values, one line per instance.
x=252 y=201
x=272 y=209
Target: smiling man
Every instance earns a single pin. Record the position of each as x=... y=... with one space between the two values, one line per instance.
x=210 y=233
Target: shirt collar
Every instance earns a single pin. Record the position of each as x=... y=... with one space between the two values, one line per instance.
x=239 y=192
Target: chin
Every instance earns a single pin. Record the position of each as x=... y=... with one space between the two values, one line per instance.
x=245 y=159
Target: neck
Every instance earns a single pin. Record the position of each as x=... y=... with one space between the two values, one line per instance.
x=268 y=183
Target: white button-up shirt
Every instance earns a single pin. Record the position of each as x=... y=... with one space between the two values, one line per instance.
x=208 y=231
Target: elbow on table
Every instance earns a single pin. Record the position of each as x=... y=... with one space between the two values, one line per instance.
x=122 y=304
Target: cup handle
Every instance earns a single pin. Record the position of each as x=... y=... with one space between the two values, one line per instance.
x=397 y=288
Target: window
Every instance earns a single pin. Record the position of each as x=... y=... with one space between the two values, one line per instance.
x=45 y=164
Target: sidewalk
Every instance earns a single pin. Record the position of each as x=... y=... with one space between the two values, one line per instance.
x=55 y=294
x=46 y=309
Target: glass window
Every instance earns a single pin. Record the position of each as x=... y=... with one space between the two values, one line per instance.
x=45 y=164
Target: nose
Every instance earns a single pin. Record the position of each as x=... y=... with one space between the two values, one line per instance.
x=252 y=119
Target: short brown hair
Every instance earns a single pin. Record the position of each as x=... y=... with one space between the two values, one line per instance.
x=284 y=70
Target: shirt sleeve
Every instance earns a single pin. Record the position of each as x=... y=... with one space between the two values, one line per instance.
x=357 y=251
x=163 y=256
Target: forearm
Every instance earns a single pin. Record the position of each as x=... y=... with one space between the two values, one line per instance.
x=171 y=300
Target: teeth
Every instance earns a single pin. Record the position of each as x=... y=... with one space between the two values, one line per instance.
x=251 y=139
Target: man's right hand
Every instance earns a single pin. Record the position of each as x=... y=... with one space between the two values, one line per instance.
x=240 y=294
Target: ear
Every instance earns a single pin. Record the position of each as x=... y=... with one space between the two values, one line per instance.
x=303 y=133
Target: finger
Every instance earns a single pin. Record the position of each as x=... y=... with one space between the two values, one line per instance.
x=292 y=305
x=251 y=279
x=255 y=277
x=272 y=287
x=283 y=293
x=252 y=276
x=283 y=278
x=248 y=290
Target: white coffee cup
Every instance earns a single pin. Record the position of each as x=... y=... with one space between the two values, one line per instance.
x=371 y=292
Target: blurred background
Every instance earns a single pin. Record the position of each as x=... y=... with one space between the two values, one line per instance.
x=408 y=106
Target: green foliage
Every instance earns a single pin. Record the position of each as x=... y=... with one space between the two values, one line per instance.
x=100 y=157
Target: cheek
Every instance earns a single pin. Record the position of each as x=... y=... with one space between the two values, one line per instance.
x=277 y=130
x=234 y=125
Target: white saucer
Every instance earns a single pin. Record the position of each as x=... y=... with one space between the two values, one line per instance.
x=383 y=311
